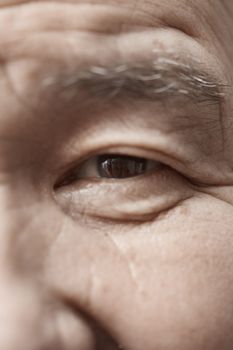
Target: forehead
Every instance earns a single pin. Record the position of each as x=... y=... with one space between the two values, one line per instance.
x=144 y=5
x=185 y=15
x=57 y=19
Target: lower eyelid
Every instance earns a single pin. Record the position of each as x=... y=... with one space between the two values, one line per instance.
x=138 y=199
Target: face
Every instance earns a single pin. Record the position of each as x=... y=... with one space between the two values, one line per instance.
x=116 y=169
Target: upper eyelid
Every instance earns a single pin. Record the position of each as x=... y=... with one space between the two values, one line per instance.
x=123 y=149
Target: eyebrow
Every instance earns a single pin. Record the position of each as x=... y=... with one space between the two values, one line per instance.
x=160 y=79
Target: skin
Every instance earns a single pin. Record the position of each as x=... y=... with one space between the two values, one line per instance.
x=90 y=265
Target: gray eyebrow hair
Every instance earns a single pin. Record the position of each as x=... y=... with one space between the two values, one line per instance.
x=160 y=79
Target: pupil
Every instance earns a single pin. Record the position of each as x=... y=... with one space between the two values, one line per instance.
x=120 y=167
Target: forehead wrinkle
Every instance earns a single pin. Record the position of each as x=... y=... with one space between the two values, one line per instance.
x=129 y=3
x=50 y=16
x=160 y=79
x=134 y=15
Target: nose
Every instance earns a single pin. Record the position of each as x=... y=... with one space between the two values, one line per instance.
x=25 y=322
x=33 y=316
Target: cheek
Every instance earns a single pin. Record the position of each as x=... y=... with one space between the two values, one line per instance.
x=166 y=284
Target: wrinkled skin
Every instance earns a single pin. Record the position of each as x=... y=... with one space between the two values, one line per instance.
x=74 y=274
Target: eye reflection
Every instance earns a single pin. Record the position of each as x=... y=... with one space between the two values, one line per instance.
x=120 y=167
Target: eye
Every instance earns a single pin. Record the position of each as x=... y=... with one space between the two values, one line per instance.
x=110 y=166
x=120 y=167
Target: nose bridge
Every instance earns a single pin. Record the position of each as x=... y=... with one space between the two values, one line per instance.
x=11 y=223
x=7 y=223
x=21 y=226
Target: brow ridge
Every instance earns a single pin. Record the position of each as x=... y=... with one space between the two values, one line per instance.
x=159 y=79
